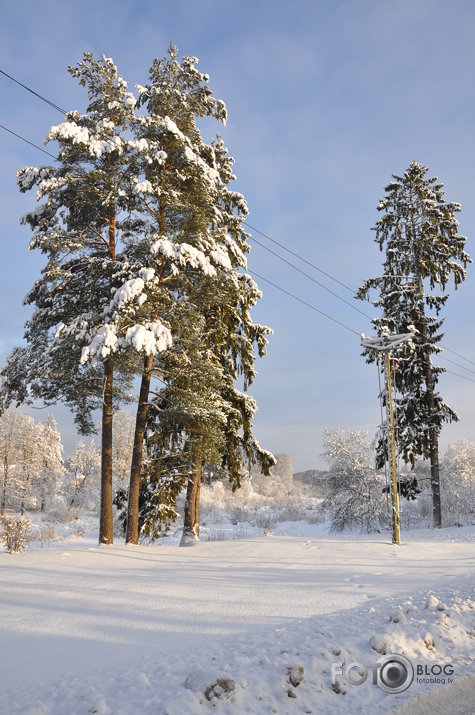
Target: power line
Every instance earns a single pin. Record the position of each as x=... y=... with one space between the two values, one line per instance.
x=27 y=141
x=464 y=377
x=309 y=305
x=458 y=355
x=444 y=347
x=343 y=325
x=457 y=364
x=43 y=99
x=29 y=89
x=284 y=260
x=320 y=270
x=296 y=255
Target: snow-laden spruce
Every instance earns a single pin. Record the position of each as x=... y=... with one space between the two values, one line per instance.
x=419 y=233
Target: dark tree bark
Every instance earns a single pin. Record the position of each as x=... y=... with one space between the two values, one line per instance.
x=191 y=526
x=132 y=535
x=4 y=488
x=106 y=530
x=434 y=454
x=197 y=503
x=433 y=432
x=106 y=525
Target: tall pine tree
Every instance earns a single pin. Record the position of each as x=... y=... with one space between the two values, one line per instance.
x=174 y=203
x=89 y=294
x=194 y=244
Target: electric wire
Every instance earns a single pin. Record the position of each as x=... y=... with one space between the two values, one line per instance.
x=314 y=280
x=29 y=89
x=309 y=263
x=27 y=141
x=43 y=99
x=301 y=258
x=442 y=357
x=464 y=377
x=283 y=290
x=457 y=354
x=300 y=300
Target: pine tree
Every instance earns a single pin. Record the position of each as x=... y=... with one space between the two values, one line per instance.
x=197 y=250
x=186 y=427
x=83 y=327
x=418 y=233
x=174 y=198
x=193 y=240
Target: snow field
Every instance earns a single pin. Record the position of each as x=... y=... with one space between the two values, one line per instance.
x=232 y=627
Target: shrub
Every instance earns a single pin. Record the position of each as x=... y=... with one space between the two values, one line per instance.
x=15 y=531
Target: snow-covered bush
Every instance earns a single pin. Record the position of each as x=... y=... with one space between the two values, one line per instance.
x=355 y=498
x=45 y=534
x=458 y=484
x=14 y=533
x=214 y=503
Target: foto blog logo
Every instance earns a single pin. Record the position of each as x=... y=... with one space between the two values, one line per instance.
x=392 y=673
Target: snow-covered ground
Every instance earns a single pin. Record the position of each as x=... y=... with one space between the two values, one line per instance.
x=249 y=625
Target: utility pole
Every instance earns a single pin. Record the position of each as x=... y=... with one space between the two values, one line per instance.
x=396 y=520
x=385 y=344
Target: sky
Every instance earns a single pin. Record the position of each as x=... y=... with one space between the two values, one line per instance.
x=326 y=100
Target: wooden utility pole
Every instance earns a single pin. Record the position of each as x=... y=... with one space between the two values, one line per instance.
x=396 y=520
x=385 y=344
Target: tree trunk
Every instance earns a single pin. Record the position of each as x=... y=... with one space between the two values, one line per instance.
x=106 y=523
x=197 y=503
x=433 y=433
x=191 y=526
x=4 y=489
x=434 y=454
x=132 y=535
x=24 y=487
x=106 y=528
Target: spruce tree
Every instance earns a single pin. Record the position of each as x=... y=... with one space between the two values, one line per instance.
x=418 y=233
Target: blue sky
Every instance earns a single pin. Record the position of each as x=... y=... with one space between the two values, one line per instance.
x=326 y=100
